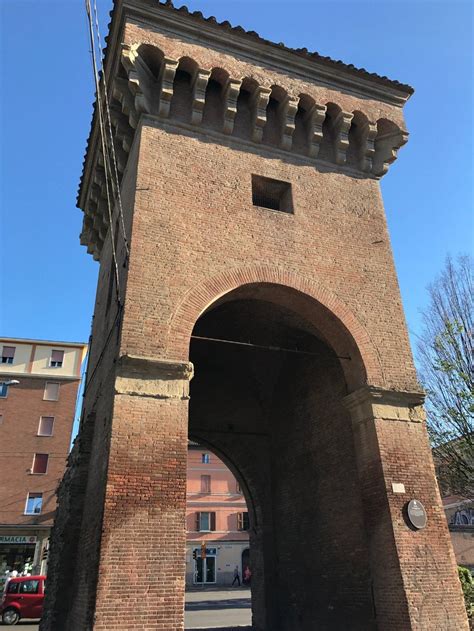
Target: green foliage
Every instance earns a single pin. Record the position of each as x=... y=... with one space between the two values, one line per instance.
x=467 y=584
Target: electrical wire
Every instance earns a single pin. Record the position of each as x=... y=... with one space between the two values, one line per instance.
x=261 y=346
x=109 y=125
x=103 y=143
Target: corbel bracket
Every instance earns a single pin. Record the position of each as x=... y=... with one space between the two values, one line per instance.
x=287 y=111
x=314 y=119
x=386 y=150
x=200 y=81
x=231 y=94
x=341 y=126
x=167 y=74
x=258 y=102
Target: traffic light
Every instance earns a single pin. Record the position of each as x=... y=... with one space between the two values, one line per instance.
x=194 y=554
x=203 y=550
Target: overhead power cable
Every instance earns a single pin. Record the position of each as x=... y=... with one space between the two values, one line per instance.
x=261 y=346
x=103 y=144
x=109 y=126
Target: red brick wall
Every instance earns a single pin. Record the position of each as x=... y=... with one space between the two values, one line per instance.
x=327 y=273
x=21 y=412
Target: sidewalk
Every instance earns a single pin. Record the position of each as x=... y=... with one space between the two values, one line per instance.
x=216 y=588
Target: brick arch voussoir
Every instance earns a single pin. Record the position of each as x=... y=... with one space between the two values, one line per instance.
x=198 y=299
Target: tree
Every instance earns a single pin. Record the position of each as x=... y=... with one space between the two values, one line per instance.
x=446 y=363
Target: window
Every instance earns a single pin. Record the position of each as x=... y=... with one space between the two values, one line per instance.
x=205 y=484
x=242 y=521
x=205 y=522
x=205 y=458
x=12 y=588
x=45 y=427
x=34 y=504
x=51 y=391
x=238 y=488
x=40 y=463
x=1 y=419
x=29 y=587
x=3 y=390
x=8 y=353
x=272 y=194
x=56 y=360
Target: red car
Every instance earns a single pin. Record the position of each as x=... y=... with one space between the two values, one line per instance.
x=23 y=597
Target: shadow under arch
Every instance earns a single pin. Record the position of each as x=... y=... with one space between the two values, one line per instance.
x=268 y=394
x=340 y=328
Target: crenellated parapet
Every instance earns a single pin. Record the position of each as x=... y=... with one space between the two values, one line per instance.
x=210 y=100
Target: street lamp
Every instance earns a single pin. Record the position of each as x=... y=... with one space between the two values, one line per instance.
x=11 y=382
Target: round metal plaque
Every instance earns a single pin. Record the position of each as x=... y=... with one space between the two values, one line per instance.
x=417 y=514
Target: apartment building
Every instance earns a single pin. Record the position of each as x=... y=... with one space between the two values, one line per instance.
x=39 y=381
x=216 y=520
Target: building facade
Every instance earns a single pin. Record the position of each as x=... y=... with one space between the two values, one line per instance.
x=39 y=381
x=216 y=520
x=247 y=300
x=460 y=516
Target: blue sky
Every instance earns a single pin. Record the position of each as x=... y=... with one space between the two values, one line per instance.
x=48 y=281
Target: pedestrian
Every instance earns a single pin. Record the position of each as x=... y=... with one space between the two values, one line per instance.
x=236 y=576
x=247 y=575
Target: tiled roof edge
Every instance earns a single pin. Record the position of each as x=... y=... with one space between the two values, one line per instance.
x=302 y=52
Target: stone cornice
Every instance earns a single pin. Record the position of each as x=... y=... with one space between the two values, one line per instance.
x=144 y=92
x=324 y=71
x=371 y=402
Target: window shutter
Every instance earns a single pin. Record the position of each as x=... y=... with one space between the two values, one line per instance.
x=57 y=356
x=40 y=463
x=240 y=521
x=205 y=484
x=51 y=391
x=198 y=521
x=213 y=521
x=8 y=351
x=46 y=426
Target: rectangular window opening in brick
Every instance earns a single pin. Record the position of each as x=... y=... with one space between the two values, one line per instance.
x=40 y=464
x=51 y=391
x=243 y=521
x=205 y=484
x=45 y=427
x=34 y=504
x=205 y=458
x=57 y=358
x=272 y=194
x=8 y=353
x=205 y=522
x=3 y=390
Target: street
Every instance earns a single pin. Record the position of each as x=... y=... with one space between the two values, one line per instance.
x=218 y=608
x=206 y=609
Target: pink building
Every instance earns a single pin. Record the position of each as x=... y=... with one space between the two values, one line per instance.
x=216 y=518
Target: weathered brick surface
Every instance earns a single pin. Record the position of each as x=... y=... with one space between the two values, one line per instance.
x=330 y=546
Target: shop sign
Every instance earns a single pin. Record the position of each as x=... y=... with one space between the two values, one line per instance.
x=210 y=552
x=17 y=539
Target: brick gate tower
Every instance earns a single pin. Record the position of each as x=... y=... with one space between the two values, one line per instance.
x=247 y=300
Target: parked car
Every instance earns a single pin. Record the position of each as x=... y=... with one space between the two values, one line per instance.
x=23 y=597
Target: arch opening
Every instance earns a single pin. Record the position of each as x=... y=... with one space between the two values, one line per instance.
x=182 y=99
x=218 y=522
x=268 y=393
x=213 y=113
